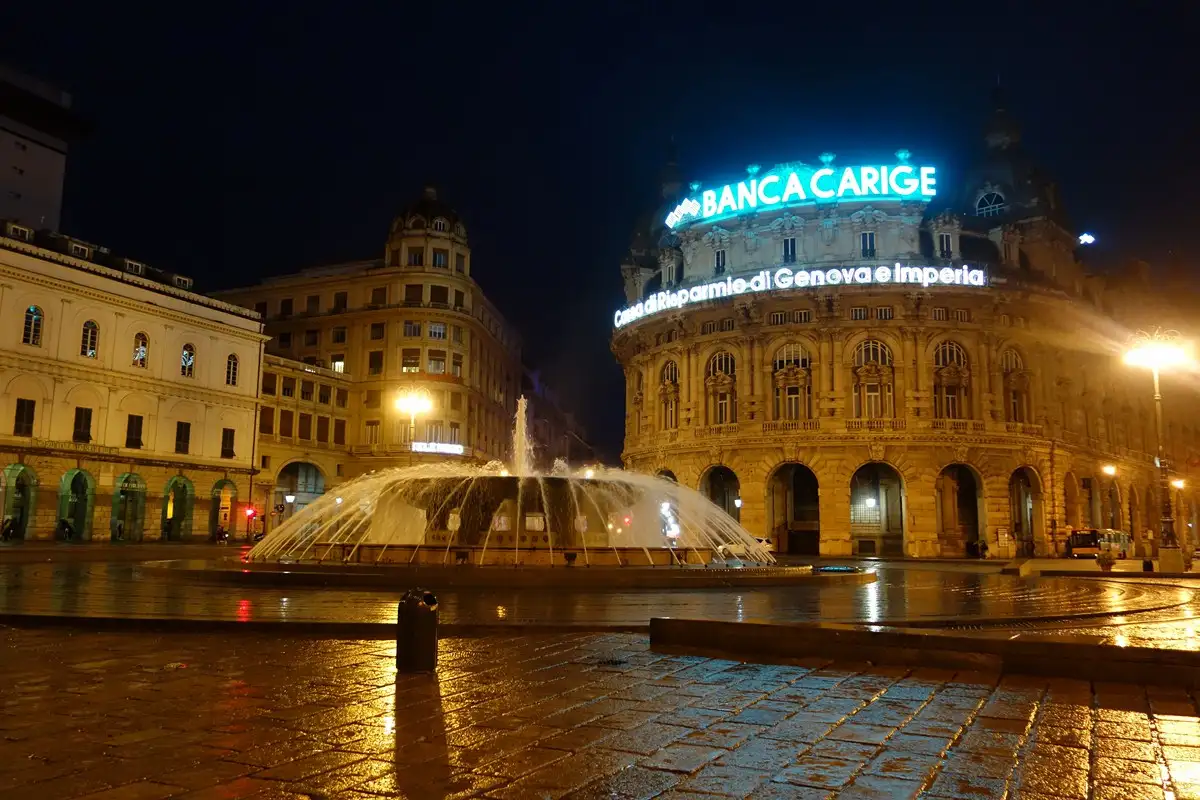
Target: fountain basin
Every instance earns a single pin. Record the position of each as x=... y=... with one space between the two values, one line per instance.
x=540 y=554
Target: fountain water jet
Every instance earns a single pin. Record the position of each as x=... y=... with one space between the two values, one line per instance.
x=433 y=513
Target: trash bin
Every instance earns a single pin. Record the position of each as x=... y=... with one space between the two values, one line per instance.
x=1147 y=565
x=417 y=632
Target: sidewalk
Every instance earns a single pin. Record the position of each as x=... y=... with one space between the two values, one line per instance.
x=104 y=550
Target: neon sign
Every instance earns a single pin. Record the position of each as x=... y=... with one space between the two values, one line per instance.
x=785 y=278
x=805 y=185
x=438 y=447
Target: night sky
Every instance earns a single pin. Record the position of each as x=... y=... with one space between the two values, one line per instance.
x=240 y=141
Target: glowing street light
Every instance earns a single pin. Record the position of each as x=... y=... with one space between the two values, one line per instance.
x=1087 y=238
x=1158 y=351
x=413 y=402
x=1177 y=483
x=289 y=498
x=1109 y=469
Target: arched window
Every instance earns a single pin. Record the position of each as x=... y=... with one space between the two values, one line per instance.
x=231 y=370
x=793 y=391
x=950 y=379
x=720 y=380
x=141 y=349
x=90 y=340
x=668 y=391
x=187 y=361
x=416 y=222
x=32 y=333
x=873 y=375
x=440 y=225
x=1016 y=386
x=990 y=204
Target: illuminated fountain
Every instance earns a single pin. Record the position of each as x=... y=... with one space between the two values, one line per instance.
x=455 y=513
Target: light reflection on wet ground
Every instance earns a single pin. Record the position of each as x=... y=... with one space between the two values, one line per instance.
x=900 y=595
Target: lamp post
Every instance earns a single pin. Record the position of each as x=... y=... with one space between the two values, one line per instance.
x=1157 y=351
x=413 y=402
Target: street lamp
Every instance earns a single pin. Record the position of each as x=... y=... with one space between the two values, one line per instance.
x=1158 y=351
x=413 y=402
x=1109 y=469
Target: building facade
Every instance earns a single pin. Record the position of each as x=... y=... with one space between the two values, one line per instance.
x=884 y=360
x=127 y=401
x=349 y=340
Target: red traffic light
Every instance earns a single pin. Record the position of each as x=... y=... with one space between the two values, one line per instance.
x=250 y=512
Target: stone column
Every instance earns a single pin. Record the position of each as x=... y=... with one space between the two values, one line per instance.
x=920 y=521
x=833 y=500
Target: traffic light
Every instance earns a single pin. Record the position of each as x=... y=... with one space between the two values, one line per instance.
x=251 y=512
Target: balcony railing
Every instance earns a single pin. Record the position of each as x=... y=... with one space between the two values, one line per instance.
x=729 y=429
x=959 y=425
x=878 y=425
x=792 y=425
x=1024 y=428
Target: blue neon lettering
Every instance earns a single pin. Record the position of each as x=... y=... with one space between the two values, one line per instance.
x=821 y=173
x=764 y=198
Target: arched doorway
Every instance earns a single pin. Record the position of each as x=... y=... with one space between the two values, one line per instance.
x=128 y=508
x=877 y=510
x=1025 y=508
x=1112 y=517
x=221 y=510
x=76 y=500
x=301 y=481
x=178 y=501
x=721 y=485
x=960 y=511
x=666 y=473
x=1071 y=501
x=794 y=510
x=20 y=491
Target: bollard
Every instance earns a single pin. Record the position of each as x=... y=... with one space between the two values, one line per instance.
x=1147 y=565
x=417 y=632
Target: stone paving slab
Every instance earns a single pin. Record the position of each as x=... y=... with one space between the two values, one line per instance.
x=120 y=716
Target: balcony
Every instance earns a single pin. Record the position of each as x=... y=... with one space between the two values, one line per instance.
x=791 y=425
x=1024 y=429
x=958 y=425
x=876 y=425
x=715 y=431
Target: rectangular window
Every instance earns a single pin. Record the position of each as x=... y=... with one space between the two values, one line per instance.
x=962 y=315
x=858 y=313
x=337 y=362
x=183 y=437
x=285 y=423
x=441 y=258
x=133 y=432
x=433 y=430
x=455 y=434
x=460 y=300
x=266 y=421
x=414 y=294
x=412 y=328
x=377 y=331
x=456 y=365
x=724 y=408
x=375 y=362
x=789 y=250
x=343 y=397
x=437 y=362
x=437 y=330
x=304 y=429
x=306 y=390
x=323 y=430
x=778 y=318
x=324 y=393
x=379 y=296
x=439 y=296
x=455 y=401
x=338 y=336
x=939 y=314
x=410 y=360
x=802 y=316
x=883 y=312
x=311 y=338
x=268 y=384
x=416 y=256
x=83 y=425
x=260 y=308
x=339 y=431
x=708 y=327
x=791 y=403
x=945 y=246
x=227 y=435
x=264 y=462
x=460 y=262
x=23 y=419
x=285 y=340
x=372 y=431
x=285 y=308
x=456 y=334
x=289 y=387
x=867 y=240
x=372 y=398
x=719 y=262
x=341 y=301
x=312 y=304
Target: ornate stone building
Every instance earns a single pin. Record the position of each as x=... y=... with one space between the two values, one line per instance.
x=347 y=340
x=910 y=372
x=127 y=400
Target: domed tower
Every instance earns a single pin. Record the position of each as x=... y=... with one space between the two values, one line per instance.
x=429 y=233
x=653 y=255
x=1011 y=209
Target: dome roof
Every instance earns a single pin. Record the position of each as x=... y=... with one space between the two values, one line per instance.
x=422 y=212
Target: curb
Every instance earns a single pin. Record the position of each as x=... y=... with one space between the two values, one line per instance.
x=1079 y=657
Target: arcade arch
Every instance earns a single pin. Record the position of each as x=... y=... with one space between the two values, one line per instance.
x=720 y=485
x=793 y=509
x=877 y=510
x=960 y=511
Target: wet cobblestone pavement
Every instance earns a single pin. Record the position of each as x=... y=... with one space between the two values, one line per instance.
x=900 y=595
x=581 y=716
